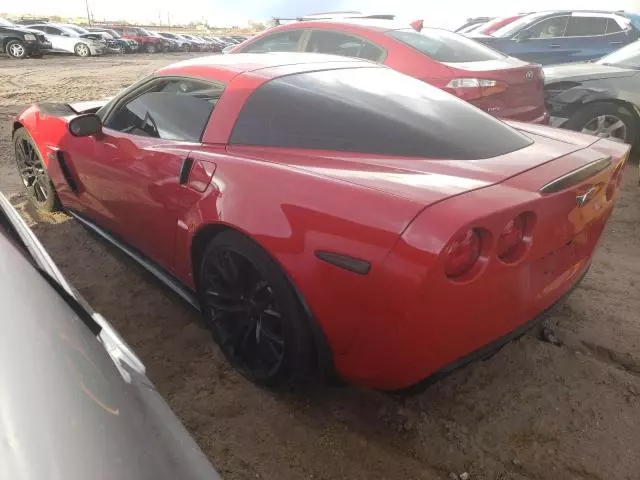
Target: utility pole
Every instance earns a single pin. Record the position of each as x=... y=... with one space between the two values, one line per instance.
x=160 y=17
x=86 y=3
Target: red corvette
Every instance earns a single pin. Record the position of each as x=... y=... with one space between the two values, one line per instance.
x=326 y=212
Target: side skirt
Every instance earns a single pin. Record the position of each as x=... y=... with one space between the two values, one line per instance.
x=160 y=273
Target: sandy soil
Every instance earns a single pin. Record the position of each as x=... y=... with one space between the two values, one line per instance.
x=534 y=411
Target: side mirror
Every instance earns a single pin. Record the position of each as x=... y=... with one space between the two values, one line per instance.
x=523 y=36
x=85 y=125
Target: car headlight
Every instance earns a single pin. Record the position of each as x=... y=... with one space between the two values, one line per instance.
x=29 y=38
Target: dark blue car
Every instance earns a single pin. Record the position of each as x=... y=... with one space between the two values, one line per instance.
x=564 y=36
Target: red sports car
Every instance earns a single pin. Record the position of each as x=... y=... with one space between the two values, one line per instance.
x=329 y=213
x=503 y=86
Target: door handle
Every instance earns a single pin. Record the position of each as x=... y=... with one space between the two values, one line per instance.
x=185 y=170
x=555 y=45
x=615 y=43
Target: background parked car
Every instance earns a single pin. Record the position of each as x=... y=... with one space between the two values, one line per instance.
x=496 y=83
x=67 y=40
x=101 y=413
x=184 y=44
x=199 y=44
x=600 y=98
x=472 y=23
x=146 y=41
x=495 y=24
x=172 y=45
x=18 y=42
x=130 y=46
x=564 y=36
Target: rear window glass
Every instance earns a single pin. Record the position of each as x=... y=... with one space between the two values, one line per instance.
x=444 y=46
x=370 y=110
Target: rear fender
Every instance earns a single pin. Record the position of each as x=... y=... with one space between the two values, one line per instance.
x=293 y=215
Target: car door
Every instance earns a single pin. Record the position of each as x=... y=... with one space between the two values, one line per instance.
x=53 y=35
x=542 y=42
x=591 y=35
x=65 y=40
x=130 y=175
x=344 y=44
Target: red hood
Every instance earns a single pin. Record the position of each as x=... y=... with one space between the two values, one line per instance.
x=430 y=181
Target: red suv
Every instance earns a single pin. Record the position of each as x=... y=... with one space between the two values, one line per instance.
x=500 y=85
x=146 y=41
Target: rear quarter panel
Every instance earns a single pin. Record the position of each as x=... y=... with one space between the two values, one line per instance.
x=293 y=214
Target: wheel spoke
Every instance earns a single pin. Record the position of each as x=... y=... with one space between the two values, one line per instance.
x=616 y=126
x=601 y=123
x=226 y=267
x=271 y=312
x=227 y=303
x=270 y=337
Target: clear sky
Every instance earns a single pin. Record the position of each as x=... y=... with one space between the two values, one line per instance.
x=437 y=13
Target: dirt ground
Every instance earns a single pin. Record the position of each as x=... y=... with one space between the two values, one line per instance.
x=533 y=411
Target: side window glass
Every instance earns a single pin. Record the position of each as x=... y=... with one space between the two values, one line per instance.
x=586 y=26
x=286 y=41
x=613 y=26
x=53 y=31
x=171 y=110
x=336 y=43
x=550 y=28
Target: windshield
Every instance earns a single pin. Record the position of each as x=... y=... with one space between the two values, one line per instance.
x=77 y=29
x=145 y=32
x=444 y=46
x=626 y=57
x=514 y=27
x=5 y=23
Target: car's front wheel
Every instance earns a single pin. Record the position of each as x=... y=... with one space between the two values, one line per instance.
x=254 y=313
x=33 y=173
x=185 y=48
x=150 y=48
x=82 y=50
x=606 y=120
x=16 y=49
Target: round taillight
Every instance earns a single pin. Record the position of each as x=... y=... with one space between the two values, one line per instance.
x=462 y=253
x=511 y=239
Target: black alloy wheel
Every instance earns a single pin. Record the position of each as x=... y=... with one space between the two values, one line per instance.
x=253 y=312
x=33 y=173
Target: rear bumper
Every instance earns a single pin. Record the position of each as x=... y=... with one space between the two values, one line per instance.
x=489 y=350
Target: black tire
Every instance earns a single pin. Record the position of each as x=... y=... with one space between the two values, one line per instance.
x=122 y=49
x=253 y=298
x=150 y=48
x=82 y=50
x=33 y=173
x=588 y=115
x=16 y=49
x=185 y=48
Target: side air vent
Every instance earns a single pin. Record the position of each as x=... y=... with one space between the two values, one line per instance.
x=577 y=176
x=355 y=265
